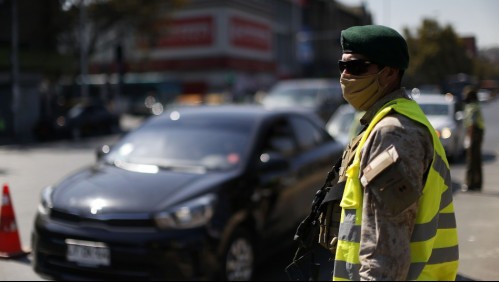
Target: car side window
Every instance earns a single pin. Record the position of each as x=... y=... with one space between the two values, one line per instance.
x=280 y=139
x=308 y=134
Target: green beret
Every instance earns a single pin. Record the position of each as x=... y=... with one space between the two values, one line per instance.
x=378 y=43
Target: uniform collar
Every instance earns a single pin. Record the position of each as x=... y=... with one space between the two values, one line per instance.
x=371 y=112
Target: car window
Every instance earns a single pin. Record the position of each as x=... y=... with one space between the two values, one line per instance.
x=308 y=134
x=435 y=109
x=280 y=138
x=292 y=97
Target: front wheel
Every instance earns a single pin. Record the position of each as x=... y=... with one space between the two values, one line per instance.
x=239 y=257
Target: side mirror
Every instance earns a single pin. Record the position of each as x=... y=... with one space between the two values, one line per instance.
x=459 y=116
x=102 y=151
x=271 y=161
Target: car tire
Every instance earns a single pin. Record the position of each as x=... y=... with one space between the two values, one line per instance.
x=238 y=257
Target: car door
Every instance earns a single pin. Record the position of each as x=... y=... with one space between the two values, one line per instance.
x=305 y=152
x=316 y=154
x=277 y=179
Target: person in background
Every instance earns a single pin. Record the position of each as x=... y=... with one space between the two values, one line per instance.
x=475 y=128
x=394 y=219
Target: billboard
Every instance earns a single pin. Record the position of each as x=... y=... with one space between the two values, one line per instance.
x=187 y=32
x=249 y=34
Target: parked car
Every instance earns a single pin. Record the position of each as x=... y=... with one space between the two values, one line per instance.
x=344 y=124
x=447 y=120
x=196 y=193
x=81 y=120
x=321 y=96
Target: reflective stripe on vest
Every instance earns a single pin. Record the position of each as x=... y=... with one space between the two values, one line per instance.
x=434 y=242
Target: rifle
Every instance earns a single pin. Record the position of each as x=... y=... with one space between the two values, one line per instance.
x=307 y=233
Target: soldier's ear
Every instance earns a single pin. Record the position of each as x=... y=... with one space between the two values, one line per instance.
x=392 y=73
x=389 y=76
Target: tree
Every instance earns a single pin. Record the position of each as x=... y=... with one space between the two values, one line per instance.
x=435 y=53
x=108 y=22
x=38 y=27
x=486 y=66
x=49 y=38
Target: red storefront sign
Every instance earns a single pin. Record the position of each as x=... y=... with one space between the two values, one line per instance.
x=248 y=34
x=188 y=32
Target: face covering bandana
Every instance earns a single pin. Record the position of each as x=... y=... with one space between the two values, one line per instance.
x=361 y=91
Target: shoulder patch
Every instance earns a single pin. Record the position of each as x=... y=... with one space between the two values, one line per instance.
x=379 y=164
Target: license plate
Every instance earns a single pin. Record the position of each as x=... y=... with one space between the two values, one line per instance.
x=87 y=253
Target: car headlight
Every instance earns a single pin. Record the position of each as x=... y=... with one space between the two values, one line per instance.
x=446 y=132
x=191 y=214
x=46 y=200
x=61 y=121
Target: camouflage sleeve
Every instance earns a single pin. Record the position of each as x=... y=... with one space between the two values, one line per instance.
x=394 y=164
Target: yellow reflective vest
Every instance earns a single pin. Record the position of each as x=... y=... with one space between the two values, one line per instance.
x=473 y=115
x=434 y=242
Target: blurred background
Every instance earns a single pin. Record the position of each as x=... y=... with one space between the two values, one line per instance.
x=63 y=59
x=76 y=68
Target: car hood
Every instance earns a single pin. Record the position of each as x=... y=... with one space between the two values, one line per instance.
x=107 y=189
x=439 y=122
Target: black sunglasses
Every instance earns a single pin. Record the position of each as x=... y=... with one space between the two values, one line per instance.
x=355 y=67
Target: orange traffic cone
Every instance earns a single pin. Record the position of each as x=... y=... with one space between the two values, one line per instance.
x=10 y=244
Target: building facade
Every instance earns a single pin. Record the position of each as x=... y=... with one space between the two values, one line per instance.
x=239 y=47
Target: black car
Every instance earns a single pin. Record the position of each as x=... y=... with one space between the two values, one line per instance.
x=86 y=119
x=195 y=193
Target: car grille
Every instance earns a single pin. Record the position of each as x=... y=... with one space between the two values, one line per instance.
x=128 y=262
x=137 y=257
x=135 y=221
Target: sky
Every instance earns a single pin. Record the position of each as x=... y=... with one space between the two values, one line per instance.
x=479 y=18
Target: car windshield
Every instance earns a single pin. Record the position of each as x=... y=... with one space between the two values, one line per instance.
x=188 y=147
x=435 y=109
x=307 y=97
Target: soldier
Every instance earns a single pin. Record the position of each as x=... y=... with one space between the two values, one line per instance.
x=395 y=219
x=475 y=127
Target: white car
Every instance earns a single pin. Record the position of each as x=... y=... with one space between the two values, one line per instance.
x=319 y=95
x=441 y=111
x=344 y=124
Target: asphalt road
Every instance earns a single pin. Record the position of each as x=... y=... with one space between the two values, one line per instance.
x=27 y=169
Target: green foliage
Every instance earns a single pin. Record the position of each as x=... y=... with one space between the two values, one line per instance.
x=435 y=53
x=108 y=22
x=486 y=69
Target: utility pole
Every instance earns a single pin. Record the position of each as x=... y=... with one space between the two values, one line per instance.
x=120 y=62
x=16 y=95
x=83 y=52
x=296 y=24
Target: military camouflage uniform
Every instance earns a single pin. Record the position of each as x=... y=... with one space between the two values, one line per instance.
x=386 y=226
